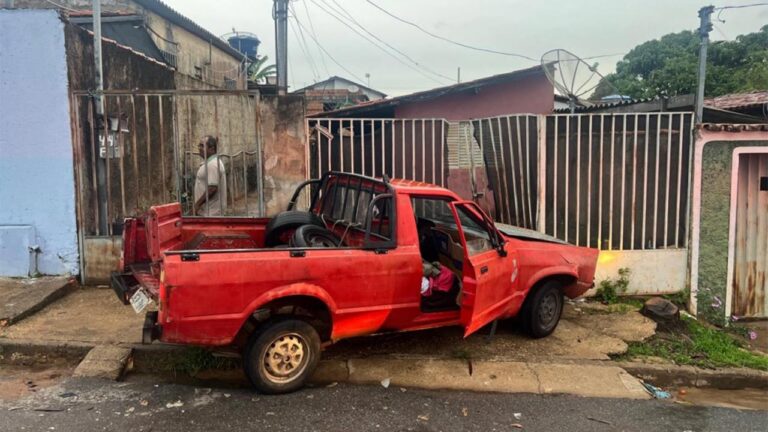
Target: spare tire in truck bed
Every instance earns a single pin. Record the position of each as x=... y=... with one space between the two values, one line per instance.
x=279 y=227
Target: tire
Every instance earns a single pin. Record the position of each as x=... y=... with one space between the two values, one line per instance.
x=542 y=309
x=267 y=357
x=279 y=227
x=311 y=236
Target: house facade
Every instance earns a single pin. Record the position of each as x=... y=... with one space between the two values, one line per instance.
x=202 y=59
x=335 y=93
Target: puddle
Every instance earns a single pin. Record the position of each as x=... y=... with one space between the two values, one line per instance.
x=751 y=399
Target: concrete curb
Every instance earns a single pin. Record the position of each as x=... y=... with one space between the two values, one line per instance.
x=673 y=375
x=498 y=376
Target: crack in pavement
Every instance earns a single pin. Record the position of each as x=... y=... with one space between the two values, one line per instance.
x=535 y=374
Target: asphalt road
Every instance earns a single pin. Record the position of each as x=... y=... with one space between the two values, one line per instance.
x=141 y=405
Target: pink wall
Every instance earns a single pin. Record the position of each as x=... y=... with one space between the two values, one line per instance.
x=531 y=95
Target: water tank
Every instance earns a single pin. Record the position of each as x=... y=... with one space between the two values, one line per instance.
x=246 y=43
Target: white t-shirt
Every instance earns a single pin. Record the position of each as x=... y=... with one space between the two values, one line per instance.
x=217 y=176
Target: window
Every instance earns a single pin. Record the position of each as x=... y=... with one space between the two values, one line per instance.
x=348 y=203
x=437 y=212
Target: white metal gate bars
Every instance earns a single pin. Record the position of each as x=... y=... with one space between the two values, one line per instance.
x=617 y=181
x=400 y=148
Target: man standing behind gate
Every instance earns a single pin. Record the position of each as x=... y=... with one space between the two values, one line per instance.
x=210 y=181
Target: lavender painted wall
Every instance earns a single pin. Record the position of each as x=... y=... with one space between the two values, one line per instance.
x=37 y=186
x=529 y=95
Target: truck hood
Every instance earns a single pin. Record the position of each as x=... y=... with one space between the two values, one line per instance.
x=524 y=233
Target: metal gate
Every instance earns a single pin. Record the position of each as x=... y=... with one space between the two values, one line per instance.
x=400 y=148
x=143 y=152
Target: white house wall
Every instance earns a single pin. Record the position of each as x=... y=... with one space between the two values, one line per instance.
x=37 y=191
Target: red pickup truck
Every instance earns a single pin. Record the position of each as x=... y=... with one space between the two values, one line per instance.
x=354 y=263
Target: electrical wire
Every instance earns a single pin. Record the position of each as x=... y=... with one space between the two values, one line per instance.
x=722 y=8
x=352 y=18
x=61 y=6
x=314 y=38
x=374 y=43
x=312 y=29
x=304 y=49
x=423 y=30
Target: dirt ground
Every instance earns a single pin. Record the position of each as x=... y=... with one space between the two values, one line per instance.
x=585 y=332
x=91 y=315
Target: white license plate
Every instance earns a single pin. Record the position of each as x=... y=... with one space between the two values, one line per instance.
x=140 y=300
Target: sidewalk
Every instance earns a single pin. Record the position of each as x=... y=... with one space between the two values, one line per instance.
x=20 y=298
x=575 y=359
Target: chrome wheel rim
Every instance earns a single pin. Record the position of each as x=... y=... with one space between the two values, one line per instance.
x=285 y=358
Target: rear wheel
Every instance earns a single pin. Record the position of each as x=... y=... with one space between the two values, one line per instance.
x=281 y=355
x=542 y=310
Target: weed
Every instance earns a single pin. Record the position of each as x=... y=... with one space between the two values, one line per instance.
x=609 y=290
x=196 y=359
x=680 y=298
x=698 y=345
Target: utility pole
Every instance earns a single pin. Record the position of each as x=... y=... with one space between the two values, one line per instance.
x=705 y=26
x=280 y=15
x=101 y=164
x=458 y=74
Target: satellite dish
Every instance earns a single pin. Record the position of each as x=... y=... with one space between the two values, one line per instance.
x=353 y=88
x=571 y=76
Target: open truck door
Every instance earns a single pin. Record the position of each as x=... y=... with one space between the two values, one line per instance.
x=489 y=269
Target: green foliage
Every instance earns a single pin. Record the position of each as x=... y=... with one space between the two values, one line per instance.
x=609 y=290
x=680 y=298
x=699 y=345
x=668 y=66
x=258 y=71
x=197 y=359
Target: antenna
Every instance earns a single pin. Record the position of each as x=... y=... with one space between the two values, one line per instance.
x=571 y=76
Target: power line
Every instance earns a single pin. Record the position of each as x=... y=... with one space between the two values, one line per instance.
x=722 y=8
x=492 y=51
x=372 y=42
x=312 y=29
x=303 y=45
x=327 y=53
x=387 y=44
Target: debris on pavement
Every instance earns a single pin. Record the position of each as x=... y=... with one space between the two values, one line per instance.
x=423 y=417
x=333 y=384
x=518 y=416
x=464 y=411
x=656 y=392
x=594 y=419
x=516 y=425
x=176 y=404
x=385 y=382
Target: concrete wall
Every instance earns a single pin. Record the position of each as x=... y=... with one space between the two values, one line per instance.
x=653 y=272
x=36 y=166
x=283 y=135
x=530 y=95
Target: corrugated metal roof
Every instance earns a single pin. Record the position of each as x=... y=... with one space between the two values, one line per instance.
x=128 y=31
x=739 y=100
x=732 y=127
x=433 y=93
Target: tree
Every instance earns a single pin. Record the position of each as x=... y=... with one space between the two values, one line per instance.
x=258 y=71
x=667 y=67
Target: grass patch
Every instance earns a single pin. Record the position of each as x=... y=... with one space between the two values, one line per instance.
x=698 y=345
x=196 y=359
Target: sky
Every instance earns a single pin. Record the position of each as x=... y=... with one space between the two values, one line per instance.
x=587 y=28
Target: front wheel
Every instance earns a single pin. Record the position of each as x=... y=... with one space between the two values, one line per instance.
x=542 y=310
x=281 y=355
